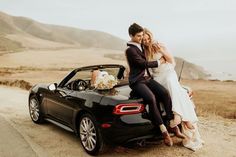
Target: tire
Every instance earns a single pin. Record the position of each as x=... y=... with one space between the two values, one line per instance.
x=90 y=135
x=35 y=110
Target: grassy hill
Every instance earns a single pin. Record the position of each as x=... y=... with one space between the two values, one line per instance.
x=14 y=26
x=18 y=33
x=7 y=45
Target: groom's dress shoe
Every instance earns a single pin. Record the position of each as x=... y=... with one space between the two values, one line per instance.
x=176 y=131
x=167 y=139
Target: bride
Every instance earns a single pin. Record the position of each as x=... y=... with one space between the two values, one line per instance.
x=182 y=106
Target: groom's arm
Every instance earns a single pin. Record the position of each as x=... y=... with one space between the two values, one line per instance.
x=137 y=60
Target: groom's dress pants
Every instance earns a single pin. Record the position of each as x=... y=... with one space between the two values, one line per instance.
x=152 y=93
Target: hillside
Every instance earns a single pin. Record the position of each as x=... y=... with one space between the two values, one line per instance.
x=20 y=33
x=190 y=70
x=7 y=45
x=28 y=33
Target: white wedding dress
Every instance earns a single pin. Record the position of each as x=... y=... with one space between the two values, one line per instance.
x=181 y=103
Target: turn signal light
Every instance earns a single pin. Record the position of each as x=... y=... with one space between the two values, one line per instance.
x=106 y=125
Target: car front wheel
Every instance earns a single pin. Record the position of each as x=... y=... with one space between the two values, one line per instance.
x=90 y=135
x=35 y=110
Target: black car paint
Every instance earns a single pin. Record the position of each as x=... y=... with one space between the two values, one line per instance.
x=66 y=106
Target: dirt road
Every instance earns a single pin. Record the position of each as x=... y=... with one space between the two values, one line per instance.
x=19 y=136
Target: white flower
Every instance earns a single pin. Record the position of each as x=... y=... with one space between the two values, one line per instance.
x=105 y=82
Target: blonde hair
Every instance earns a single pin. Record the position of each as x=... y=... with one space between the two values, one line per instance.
x=152 y=48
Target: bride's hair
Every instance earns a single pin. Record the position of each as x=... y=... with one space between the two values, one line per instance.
x=152 y=48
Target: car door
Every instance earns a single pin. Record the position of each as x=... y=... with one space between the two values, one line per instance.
x=61 y=105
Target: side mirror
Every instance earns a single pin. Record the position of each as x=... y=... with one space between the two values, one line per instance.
x=52 y=87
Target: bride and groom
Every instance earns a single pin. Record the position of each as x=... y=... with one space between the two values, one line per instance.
x=152 y=77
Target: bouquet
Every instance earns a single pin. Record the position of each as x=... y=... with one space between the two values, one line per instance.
x=105 y=82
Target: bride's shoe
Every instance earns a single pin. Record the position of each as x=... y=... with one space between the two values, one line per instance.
x=189 y=125
x=177 y=132
x=176 y=121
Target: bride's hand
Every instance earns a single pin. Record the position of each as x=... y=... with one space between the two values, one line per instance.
x=162 y=60
x=167 y=56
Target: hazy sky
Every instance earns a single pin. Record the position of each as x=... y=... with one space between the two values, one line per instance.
x=202 y=31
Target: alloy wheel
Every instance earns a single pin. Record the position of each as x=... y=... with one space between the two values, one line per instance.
x=34 y=109
x=88 y=134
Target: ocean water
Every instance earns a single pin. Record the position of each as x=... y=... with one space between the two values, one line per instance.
x=221 y=69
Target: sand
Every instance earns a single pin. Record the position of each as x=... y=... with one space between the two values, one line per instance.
x=64 y=58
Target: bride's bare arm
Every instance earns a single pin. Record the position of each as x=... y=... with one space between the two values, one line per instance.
x=168 y=57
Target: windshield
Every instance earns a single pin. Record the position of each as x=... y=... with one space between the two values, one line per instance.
x=86 y=76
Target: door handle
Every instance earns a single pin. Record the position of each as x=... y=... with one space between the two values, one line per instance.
x=62 y=93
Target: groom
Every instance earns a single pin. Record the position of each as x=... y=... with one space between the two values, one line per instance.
x=143 y=85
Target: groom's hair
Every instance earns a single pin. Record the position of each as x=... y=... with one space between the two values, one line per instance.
x=135 y=28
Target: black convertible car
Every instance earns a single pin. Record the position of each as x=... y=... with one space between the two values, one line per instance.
x=98 y=117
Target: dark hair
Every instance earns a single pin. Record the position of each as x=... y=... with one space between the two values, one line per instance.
x=135 y=28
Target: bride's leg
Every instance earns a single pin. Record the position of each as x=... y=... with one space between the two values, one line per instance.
x=176 y=121
x=174 y=126
x=188 y=124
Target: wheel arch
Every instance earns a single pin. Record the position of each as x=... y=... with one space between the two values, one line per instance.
x=101 y=146
x=37 y=95
x=33 y=95
x=77 y=118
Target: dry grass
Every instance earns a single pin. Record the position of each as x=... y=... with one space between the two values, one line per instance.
x=211 y=97
x=17 y=83
x=214 y=97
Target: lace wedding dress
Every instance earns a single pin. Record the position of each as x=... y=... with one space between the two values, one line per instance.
x=181 y=103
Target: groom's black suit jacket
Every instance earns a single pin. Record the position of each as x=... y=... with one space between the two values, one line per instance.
x=137 y=64
x=142 y=87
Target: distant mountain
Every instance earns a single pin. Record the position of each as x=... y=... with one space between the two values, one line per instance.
x=189 y=70
x=26 y=33
x=19 y=33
